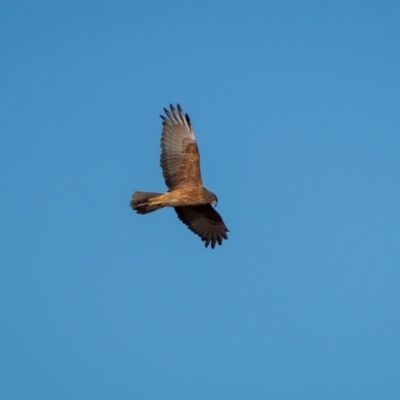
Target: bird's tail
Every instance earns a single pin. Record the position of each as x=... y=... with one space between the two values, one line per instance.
x=140 y=202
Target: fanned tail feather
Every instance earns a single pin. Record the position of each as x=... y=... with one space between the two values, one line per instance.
x=140 y=202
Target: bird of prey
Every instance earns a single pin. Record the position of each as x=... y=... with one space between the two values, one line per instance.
x=180 y=164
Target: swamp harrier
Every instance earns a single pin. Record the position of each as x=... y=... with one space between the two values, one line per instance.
x=180 y=163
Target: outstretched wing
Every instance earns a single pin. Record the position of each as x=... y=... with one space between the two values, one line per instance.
x=180 y=160
x=205 y=222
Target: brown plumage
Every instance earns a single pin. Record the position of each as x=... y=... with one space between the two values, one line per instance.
x=180 y=163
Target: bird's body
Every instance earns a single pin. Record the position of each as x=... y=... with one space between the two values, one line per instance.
x=180 y=163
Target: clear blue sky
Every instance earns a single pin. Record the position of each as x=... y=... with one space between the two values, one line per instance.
x=296 y=108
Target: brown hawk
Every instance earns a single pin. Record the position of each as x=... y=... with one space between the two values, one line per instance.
x=180 y=163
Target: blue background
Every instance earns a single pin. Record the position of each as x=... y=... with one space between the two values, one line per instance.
x=296 y=110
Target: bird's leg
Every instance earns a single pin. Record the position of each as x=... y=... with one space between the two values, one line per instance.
x=159 y=200
x=165 y=200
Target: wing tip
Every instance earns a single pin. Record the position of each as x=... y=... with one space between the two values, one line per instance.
x=215 y=240
x=176 y=116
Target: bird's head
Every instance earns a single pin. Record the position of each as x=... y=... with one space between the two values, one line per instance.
x=214 y=200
